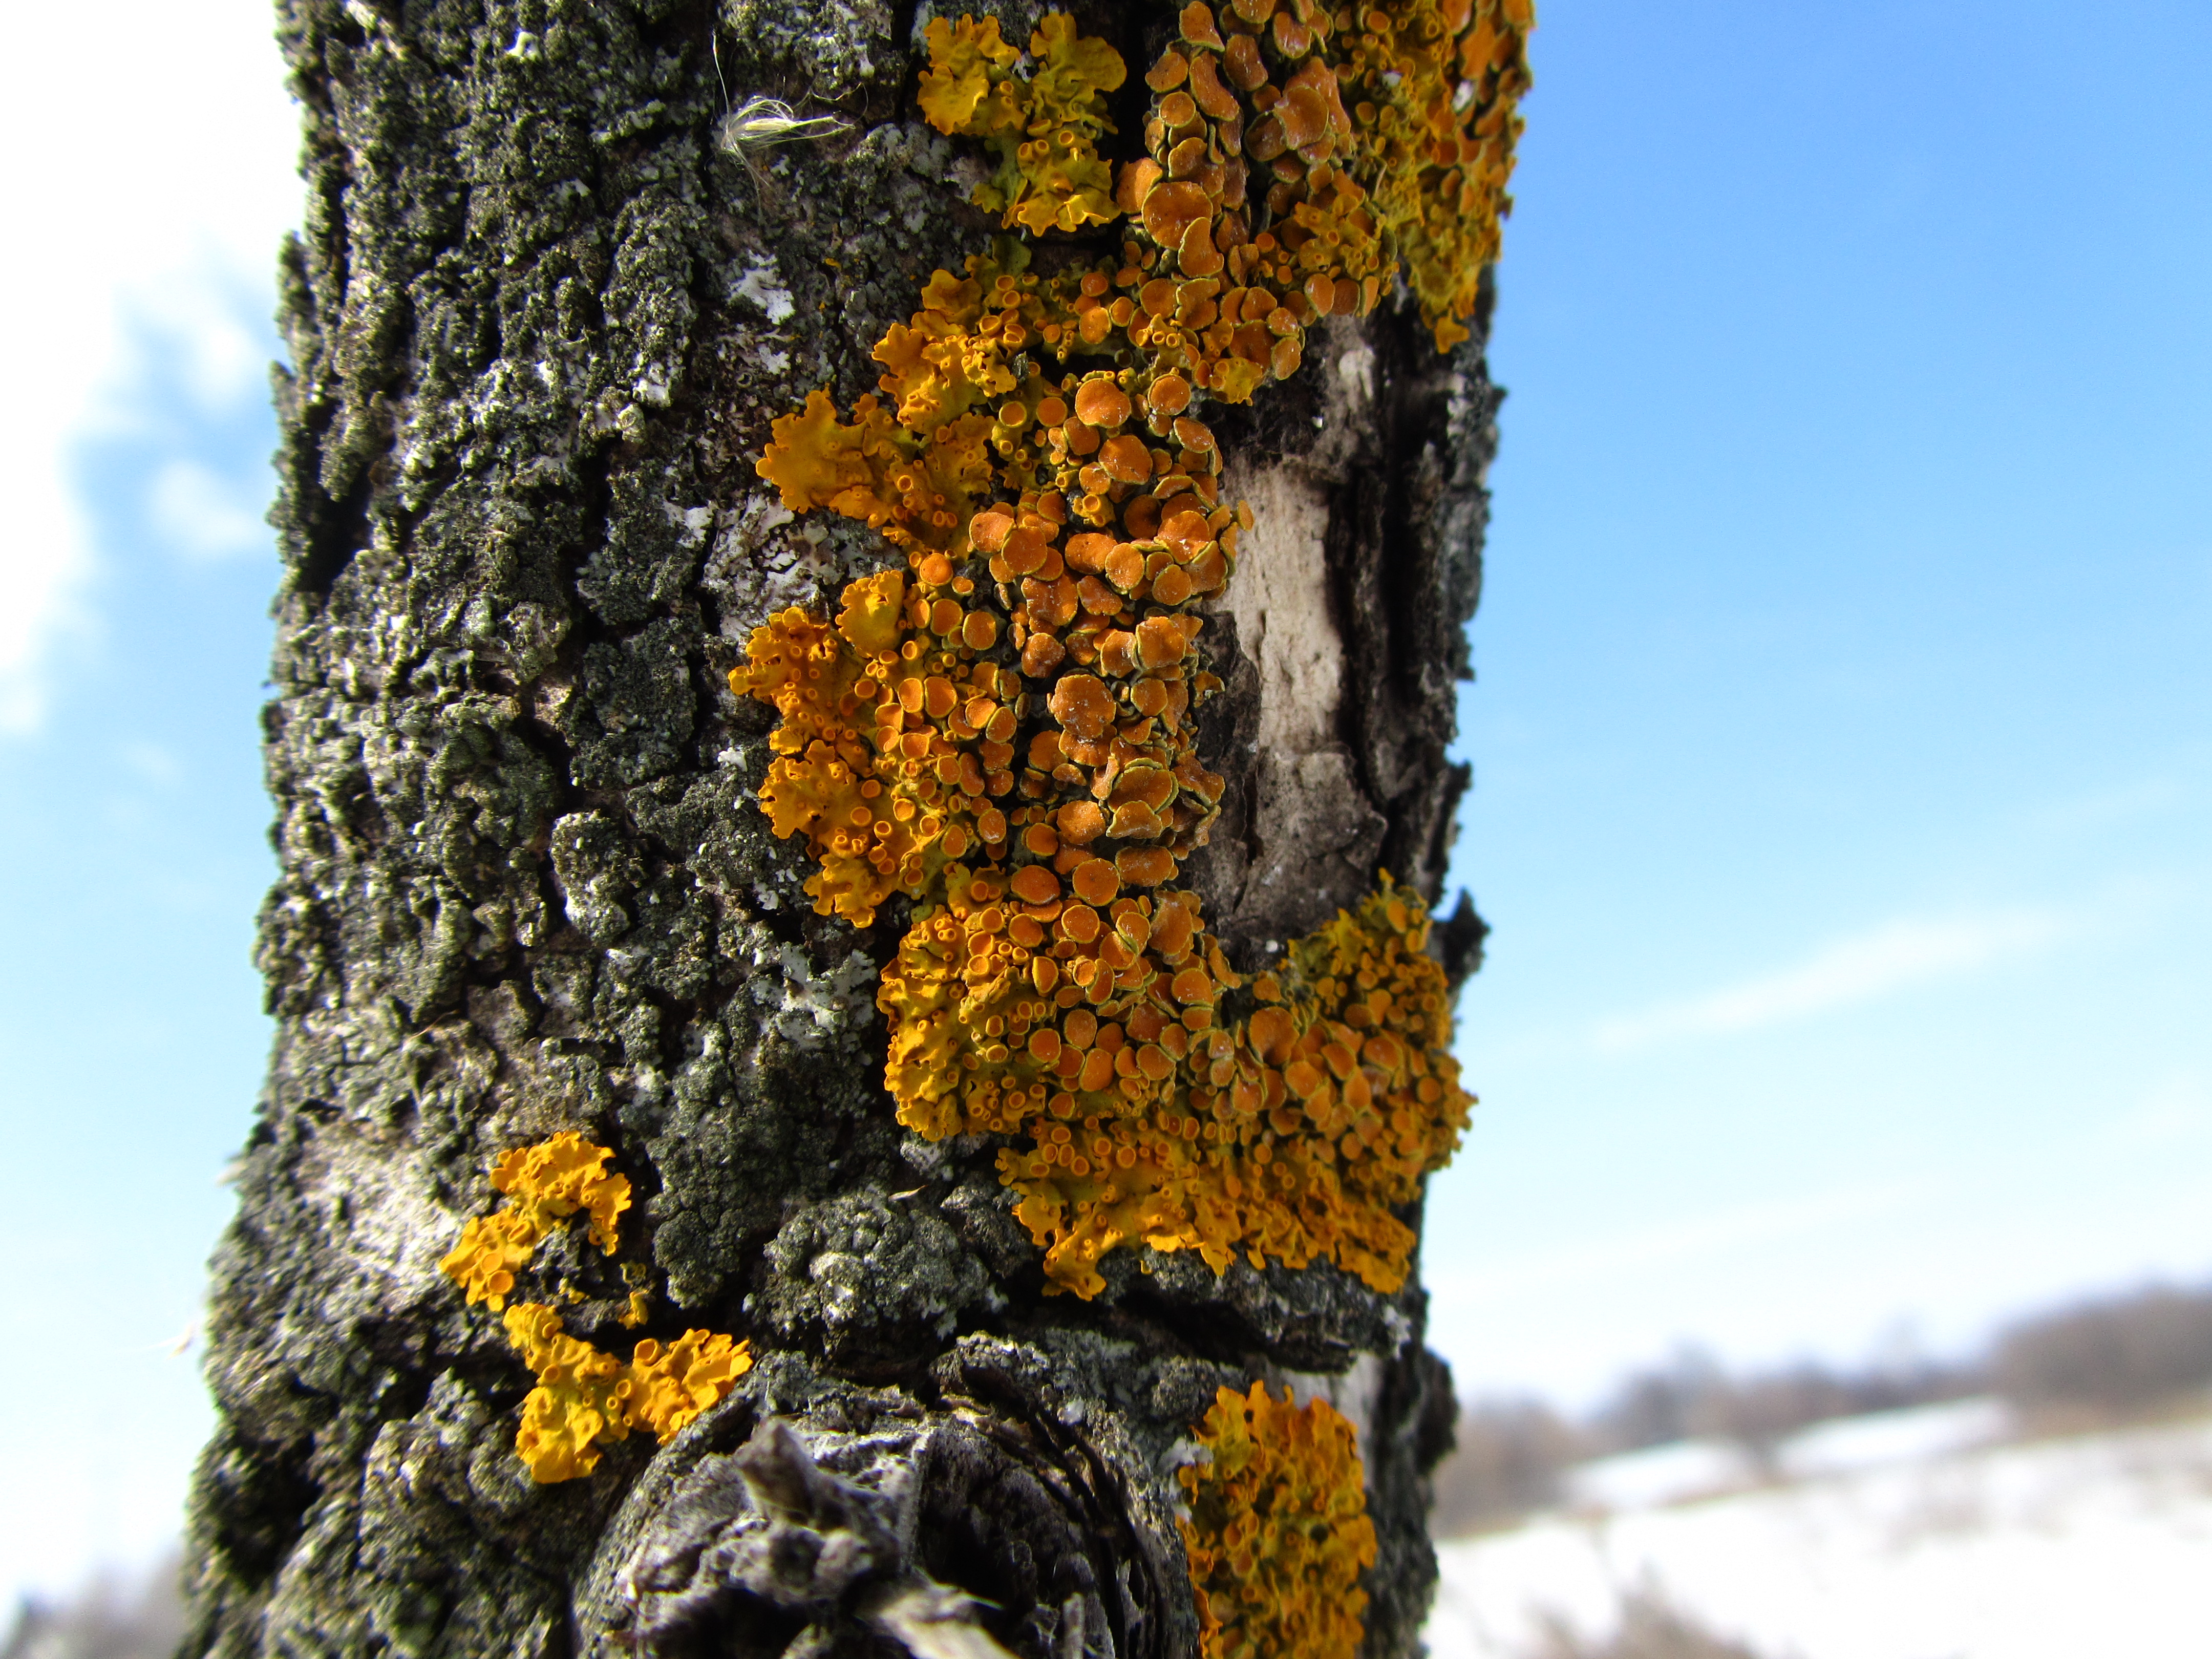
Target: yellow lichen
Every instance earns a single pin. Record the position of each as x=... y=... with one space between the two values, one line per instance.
x=967 y=62
x=815 y=462
x=1277 y=1532
x=585 y=1396
x=1041 y=129
x=545 y=1183
x=1004 y=731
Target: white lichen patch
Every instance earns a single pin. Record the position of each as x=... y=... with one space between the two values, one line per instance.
x=760 y=566
x=759 y=287
x=805 y=1005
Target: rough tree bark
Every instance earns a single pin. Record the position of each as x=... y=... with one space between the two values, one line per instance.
x=539 y=323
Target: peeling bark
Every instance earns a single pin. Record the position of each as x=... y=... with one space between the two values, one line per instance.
x=539 y=324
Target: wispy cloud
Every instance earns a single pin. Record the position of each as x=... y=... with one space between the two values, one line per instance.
x=204 y=515
x=1670 y=1243
x=1891 y=957
x=193 y=177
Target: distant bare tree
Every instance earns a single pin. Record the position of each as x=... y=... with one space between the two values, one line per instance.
x=2113 y=1354
x=1508 y=1460
x=116 y=1616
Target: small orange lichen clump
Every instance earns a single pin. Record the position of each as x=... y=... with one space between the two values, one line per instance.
x=543 y=1183
x=1434 y=86
x=1004 y=731
x=583 y=1396
x=1278 y=1533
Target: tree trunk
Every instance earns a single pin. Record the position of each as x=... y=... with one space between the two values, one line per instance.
x=555 y=289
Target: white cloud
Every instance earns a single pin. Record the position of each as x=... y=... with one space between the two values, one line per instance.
x=1896 y=955
x=2177 y=1111
x=150 y=762
x=203 y=514
x=1671 y=1244
x=158 y=181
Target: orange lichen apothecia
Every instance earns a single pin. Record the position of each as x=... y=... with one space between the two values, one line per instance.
x=1004 y=730
x=1089 y=1023
x=1277 y=1532
x=583 y=1396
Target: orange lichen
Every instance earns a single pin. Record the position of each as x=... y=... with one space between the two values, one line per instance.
x=1095 y=1027
x=896 y=750
x=585 y=1396
x=1297 y=160
x=1264 y=203
x=967 y=412
x=545 y=1183
x=1278 y=1533
x=1004 y=731
x=1375 y=139
x=1434 y=86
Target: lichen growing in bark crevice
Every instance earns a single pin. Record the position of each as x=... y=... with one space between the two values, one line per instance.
x=544 y=1184
x=583 y=1396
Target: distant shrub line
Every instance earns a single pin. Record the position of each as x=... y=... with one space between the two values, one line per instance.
x=2105 y=1360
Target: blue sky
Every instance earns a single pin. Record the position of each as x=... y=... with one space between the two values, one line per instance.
x=1843 y=766
x=133 y=853
x=1844 y=771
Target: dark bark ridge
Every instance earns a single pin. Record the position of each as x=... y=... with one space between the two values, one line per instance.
x=539 y=326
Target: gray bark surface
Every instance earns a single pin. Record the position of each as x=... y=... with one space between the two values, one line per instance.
x=538 y=323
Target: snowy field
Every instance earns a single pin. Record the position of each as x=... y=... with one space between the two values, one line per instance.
x=1905 y=1540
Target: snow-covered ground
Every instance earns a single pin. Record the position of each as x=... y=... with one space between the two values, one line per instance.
x=1904 y=1540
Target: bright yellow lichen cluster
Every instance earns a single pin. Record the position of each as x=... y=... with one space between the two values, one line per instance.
x=1004 y=731
x=584 y=1395
x=1278 y=1533
x=545 y=1183
x=1041 y=129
